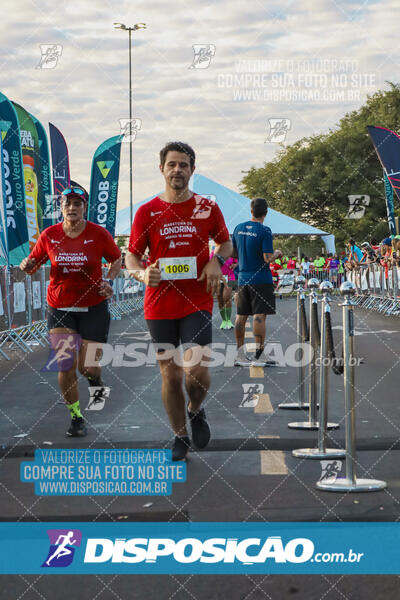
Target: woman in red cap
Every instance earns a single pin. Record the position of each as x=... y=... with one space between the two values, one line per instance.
x=76 y=297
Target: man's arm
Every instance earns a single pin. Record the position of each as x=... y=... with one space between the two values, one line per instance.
x=134 y=265
x=151 y=276
x=268 y=257
x=212 y=270
x=225 y=250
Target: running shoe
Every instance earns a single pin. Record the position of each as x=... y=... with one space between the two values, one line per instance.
x=268 y=361
x=180 y=448
x=248 y=362
x=200 y=429
x=223 y=325
x=77 y=428
x=98 y=397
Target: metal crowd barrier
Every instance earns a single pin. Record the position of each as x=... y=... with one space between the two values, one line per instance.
x=128 y=295
x=23 y=306
x=376 y=288
x=335 y=277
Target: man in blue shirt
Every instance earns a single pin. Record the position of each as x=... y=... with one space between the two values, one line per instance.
x=252 y=245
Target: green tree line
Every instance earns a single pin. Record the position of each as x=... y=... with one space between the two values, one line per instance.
x=311 y=179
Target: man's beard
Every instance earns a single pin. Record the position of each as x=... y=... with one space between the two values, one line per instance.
x=178 y=184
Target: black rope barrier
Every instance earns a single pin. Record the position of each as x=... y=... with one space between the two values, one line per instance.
x=304 y=325
x=314 y=317
x=337 y=363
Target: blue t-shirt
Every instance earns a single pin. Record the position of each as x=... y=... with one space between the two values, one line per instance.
x=356 y=250
x=251 y=240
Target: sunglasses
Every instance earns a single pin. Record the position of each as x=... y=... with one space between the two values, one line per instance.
x=74 y=190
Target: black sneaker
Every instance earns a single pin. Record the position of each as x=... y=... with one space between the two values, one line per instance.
x=180 y=447
x=200 y=429
x=258 y=358
x=77 y=428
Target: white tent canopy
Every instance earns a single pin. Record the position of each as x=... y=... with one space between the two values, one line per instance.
x=236 y=209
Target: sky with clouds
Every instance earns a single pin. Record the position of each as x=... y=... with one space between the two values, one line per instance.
x=304 y=64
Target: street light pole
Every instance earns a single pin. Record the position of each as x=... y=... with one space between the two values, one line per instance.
x=130 y=29
x=130 y=132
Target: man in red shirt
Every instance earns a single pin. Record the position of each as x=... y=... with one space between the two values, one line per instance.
x=180 y=282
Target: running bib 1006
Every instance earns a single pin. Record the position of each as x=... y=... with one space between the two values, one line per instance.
x=179 y=267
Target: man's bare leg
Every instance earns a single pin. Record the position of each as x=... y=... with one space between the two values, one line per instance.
x=240 y=328
x=172 y=395
x=259 y=333
x=197 y=383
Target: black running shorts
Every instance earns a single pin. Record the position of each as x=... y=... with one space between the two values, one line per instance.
x=256 y=299
x=192 y=329
x=92 y=325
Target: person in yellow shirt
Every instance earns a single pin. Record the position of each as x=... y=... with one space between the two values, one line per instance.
x=318 y=263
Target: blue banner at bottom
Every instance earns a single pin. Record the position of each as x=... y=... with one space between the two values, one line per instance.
x=199 y=548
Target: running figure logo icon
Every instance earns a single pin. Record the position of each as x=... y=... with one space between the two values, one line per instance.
x=50 y=55
x=203 y=54
x=202 y=210
x=98 y=397
x=63 y=543
x=62 y=353
x=251 y=394
x=357 y=205
x=278 y=130
x=52 y=208
x=330 y=470
x=129 y=129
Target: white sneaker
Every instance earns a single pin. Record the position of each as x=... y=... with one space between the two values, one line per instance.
x=242 y=362
x=255 y=362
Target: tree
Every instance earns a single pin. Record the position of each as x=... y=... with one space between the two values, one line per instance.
x=312 y=178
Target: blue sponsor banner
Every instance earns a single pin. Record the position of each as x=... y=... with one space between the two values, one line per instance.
x=89 y=472
x=387 y=147
x=14 y=183
x=59 y=159
x=3 y=232
x=60 y=170
x=104 y=184
x=389 y=205
x=200 y=548
x=45 y=183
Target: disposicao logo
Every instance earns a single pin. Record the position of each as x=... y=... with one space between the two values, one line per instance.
x=63 y=543
x=192 y=550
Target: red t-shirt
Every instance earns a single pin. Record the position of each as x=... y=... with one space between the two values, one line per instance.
x=177 y=230
x=75 y=271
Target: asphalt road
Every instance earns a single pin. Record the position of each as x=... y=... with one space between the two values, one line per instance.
x=247 y=473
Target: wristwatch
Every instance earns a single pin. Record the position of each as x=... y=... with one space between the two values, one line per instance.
x=220 y=259
x=110 y=282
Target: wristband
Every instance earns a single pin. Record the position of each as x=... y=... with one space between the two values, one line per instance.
x=220 y=259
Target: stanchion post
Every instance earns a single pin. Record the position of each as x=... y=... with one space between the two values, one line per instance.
x=312 y=423
x=350 y=483
x=301 y=404
x=322 y=451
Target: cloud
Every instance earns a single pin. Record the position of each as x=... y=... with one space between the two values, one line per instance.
x=87 y=93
